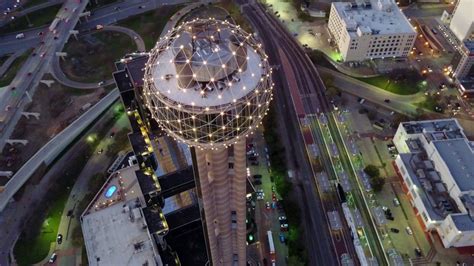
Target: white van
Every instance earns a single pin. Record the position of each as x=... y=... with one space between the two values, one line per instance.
x=20 y=36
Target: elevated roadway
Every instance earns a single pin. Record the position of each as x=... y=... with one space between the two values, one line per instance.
x=12 y=102
x=49 y=152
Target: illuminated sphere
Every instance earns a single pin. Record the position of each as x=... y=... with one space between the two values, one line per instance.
x=208 y=83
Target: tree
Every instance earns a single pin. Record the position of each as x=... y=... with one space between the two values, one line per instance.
x=295 y=261
x=399 y=118
x=283 y=186
x=328 y=79
x=371 y=115
x=377 y=183
x=372 y=170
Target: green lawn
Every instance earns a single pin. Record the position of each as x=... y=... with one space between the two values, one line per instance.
x=30 y=251
x=10 y=74
x=37 y=18
x=88 y=62
x=150 y=24
x=429 y=103
x=405 y=87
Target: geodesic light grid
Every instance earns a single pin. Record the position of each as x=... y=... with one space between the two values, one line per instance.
x=208 y=83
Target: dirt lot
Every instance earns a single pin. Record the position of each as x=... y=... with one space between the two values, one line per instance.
x=92 y=57
x=58 y=107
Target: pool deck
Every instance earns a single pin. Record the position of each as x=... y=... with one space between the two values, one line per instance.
x=127 y=187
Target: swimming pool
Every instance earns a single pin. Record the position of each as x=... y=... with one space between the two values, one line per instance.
x=110 y=191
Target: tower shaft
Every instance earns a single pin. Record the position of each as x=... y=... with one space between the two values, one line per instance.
x=222 y=177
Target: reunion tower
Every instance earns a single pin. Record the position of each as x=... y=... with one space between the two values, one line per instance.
x=208 y=84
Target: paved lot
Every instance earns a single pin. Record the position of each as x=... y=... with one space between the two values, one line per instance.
x=267 y=219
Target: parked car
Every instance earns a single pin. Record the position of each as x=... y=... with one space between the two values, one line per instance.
x=408 y=230
x=282 y=238
x=53 y=258
x=394 y=230
x=257 y=182
x=396 y=202
x=257 y=176
x=284 y=227
x=418 y=252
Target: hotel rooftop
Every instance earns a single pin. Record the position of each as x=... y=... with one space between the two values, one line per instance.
x=114 y=226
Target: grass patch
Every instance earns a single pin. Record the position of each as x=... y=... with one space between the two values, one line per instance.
x=429 y=103
x=37 y=18
x=398 y=81
x=319 y=58
x=29 y=251
x=92 y=57
x=234 y=12
x=385 y=83
x=10 y=74
x=150 y=24
x=4 y=58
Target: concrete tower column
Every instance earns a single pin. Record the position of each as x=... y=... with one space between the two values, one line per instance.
x=219 y=163
x=238 y=199
x=207 y=203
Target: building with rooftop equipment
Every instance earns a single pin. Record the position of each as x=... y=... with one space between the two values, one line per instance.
x=462 y=21
x=436 y=165
x=368 y=29
x=462 y=68
x=208 y=84
x=114 y=226
x=165 y=175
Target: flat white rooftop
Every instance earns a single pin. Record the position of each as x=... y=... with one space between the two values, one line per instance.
x=113 y=238
x=373 y=16
x=249 y=80
x=459 y=158
x=114 y=229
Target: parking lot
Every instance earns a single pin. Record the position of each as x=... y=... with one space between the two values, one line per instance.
x=268 y=210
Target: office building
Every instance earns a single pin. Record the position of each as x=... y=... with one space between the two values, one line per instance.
x=436 y=166
x=462 y=21
x=370 y=29
x=462 y=68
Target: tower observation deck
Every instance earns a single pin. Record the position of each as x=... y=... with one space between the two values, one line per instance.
x=208 y=84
